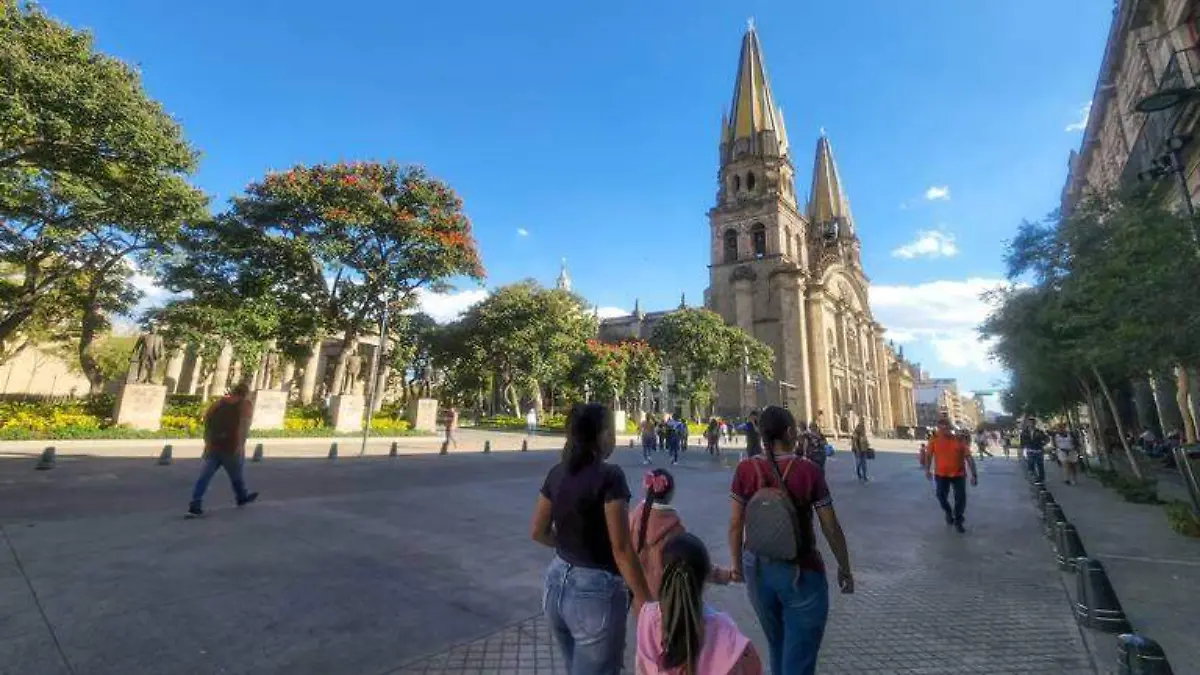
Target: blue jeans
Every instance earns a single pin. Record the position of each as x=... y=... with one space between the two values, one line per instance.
x=860 y=465
x=647 y=446
x=232 y=463
x=792 y=608
x=587 y=609
x=1037 y=464
x=673 y=448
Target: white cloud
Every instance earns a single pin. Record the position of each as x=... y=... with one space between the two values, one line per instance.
x=929 y=243
x=446 y=307
x=938 y=193
x=522 y=232
x=943 y=314
x=1079 y=125
x=611 y=312
x=900 y=336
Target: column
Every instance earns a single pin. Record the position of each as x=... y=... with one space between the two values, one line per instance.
x=791 y=365
x=174 y=370
x=820 y=391
x=220 y=379
x=289 y=373
x=312 y=367
x=743 y=303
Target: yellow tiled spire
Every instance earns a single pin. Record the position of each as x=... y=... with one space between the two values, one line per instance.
x=753 y=109
x=826 y=201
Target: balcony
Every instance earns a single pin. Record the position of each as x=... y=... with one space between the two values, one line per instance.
x=1182 y=71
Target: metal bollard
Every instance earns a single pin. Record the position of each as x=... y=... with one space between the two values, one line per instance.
x=1188 y=472
x=48 y=459
x=1138 y=655
x=333 y=450
x=1068 y=546
x=1096 y=604
x=394 y=450
x=164 y=458
x=487 y=447
x=524 y=446
x=1044 y=499
x=1054 y=515
x=258 y=453
x=445 y=448
x=631 y=442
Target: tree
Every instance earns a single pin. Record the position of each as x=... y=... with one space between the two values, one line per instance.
x=338 y=241
x=697 y=344
x=91 y=176
x=527 y=336
x=600 y=369
x=643 y=366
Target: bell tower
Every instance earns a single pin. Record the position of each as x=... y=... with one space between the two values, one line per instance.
x=759 y=241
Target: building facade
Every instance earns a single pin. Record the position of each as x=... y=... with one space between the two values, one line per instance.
x=789 y=274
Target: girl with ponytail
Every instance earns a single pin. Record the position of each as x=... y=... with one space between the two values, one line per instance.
x=679 y=634
x=655 y=522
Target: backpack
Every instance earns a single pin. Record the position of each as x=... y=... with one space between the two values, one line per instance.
x=772 y=520
x=221 y=425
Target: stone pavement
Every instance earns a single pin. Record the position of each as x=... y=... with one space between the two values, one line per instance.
x=423 y=565
x=1154 y=570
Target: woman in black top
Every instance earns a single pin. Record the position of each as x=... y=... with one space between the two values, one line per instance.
x=582 y=513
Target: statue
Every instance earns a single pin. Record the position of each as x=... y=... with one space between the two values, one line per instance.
x=354 y=366
x=147 y=352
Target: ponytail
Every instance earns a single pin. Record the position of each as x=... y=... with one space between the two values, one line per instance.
x=659 y=485
x=681 y=602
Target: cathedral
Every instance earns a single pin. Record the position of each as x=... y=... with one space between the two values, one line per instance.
x=789 y=274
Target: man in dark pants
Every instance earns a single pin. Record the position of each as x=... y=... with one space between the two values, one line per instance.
x=226 y=425
x=753 y=440
x=949 y=459
x=1033 y=443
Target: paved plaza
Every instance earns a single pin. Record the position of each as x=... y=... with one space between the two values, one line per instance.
x=422 y=564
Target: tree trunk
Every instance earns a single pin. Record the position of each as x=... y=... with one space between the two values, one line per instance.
x=1116 y=414
x=89 y=326
x=537 y=397
x=308 y=383
x=349 y=342
x=1182 y=387
x=1101 y=442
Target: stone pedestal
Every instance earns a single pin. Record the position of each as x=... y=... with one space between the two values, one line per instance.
x=269 y=409
x=422 y=414
x=140 y=406
x=346 y=412
x=619 y=422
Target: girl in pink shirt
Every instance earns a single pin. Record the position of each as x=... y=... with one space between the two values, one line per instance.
x=679 y=634
x=655 y=522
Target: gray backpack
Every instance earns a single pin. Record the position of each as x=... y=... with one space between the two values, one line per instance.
x=772 y=520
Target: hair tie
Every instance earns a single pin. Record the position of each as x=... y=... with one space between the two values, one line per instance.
x=655 y=483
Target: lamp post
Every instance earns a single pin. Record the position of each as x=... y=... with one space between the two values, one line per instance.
x=1172 y=161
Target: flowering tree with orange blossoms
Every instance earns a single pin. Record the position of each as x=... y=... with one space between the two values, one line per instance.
x=342 y=241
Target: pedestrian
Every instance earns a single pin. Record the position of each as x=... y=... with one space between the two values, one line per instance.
x=662 y=432
x=655 y=522
x=713 y=435
x=680 y=633
x=531 y=421
x=681 y=426
x=753 y=439
x=782 y=567
x=649 y=438
x=981 y=443
x=1006 y=440
x=731 y=430
x=1033 y=443
x=859 y=444
x=582 y=512
x=226 y=425
x=813 y=446
x=949 y=459
x=451 y=425
x=672 y=438
x=1066 y=445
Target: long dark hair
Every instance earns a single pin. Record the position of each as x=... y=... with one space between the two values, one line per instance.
x=681 y=602
x=660 y=485
x=586 y=423
x=773 y=425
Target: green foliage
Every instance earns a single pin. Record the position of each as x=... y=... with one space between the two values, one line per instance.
x=557 y=422
x=112 y=356
x=1132 y=488
x=1181 y=518
x=697 y=344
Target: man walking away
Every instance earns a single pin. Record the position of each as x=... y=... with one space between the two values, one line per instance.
x=981 y=443
x=649 y=438
x=451 y=425
x=858 y=446
x=531 y=421
x=712 y=434
x=1066 y=444
x=673 y=438
x=226 y=425
x=753 y=440
x=1032 y=441
x=949 y=459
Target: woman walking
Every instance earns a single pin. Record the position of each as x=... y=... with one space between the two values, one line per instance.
x=582 y=512
x=859 y=445
x=783 y=570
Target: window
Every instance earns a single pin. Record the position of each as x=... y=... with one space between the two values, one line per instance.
x=758 y=236
x=731 y=245
x=750 y=180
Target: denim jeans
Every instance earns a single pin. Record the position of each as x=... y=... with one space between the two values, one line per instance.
x=647 y=446
x=587 y=610
x=860 y=465
x=673 y=448
x=1037 y=464
x=792 y=606
x=232 y=463
x=959 y=483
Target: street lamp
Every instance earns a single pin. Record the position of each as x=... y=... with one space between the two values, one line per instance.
x=1167 y=99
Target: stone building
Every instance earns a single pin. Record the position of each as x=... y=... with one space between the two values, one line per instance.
x=1142 y=131
x=935 y=396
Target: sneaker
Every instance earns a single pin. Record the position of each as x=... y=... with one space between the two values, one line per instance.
x=194 y=512
x=949 y=519
x=958 y=527
x=248 y=500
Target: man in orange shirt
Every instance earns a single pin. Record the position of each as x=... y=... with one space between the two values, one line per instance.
x=949 y=459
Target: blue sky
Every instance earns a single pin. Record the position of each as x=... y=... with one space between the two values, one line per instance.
x=592 y=128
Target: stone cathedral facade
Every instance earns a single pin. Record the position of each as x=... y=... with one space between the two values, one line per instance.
x=788 y=271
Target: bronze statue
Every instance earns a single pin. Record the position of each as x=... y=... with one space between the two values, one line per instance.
x=143 y=361
x=354 y=366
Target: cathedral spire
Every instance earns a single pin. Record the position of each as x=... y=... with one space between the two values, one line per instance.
x=564 y=280
x=753 y=109
x=826 y=202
